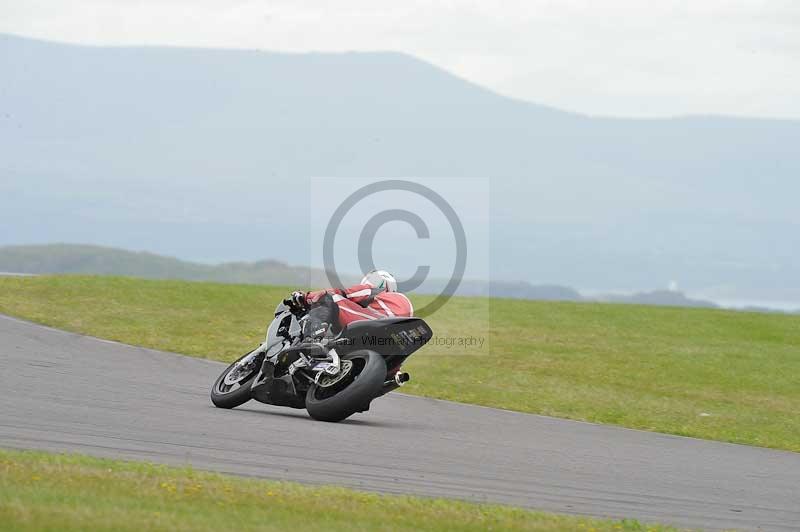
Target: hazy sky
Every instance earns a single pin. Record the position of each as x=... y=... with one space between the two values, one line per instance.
x=615 y=57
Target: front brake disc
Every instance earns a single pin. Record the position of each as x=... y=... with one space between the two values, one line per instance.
x=243 y=369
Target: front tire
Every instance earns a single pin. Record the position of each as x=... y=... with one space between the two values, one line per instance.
x=236 y=392
x=353 y=393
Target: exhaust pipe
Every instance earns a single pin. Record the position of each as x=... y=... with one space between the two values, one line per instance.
x=400 y=378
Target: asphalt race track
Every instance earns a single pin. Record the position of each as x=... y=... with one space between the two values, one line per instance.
x=67 y=392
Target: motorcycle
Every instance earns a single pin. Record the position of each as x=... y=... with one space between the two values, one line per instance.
x=333 y=378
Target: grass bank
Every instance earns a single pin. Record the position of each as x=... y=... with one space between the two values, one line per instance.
x=713 y=374
x=41 y=491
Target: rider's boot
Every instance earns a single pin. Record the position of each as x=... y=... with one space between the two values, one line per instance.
x=318 y=322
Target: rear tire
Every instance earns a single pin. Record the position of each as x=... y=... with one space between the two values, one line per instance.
x=240 y=395
x=370 y=374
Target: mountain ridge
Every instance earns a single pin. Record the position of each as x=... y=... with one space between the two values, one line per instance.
x=201 y=155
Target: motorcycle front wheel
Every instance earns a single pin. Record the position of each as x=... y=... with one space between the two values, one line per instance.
x=359 y=381
x=232 y=387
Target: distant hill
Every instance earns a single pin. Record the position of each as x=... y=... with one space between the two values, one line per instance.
x=206 y=155
x=87 y=259
x=667 y=298
x=75 y=258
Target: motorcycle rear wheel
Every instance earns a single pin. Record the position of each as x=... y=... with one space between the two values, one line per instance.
x=351 y=393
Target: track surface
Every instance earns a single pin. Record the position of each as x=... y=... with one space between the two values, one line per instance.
x=66 y=392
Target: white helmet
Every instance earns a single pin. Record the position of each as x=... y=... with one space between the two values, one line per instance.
x=380 y=279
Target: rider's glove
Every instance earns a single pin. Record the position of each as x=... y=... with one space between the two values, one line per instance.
x=296 y=301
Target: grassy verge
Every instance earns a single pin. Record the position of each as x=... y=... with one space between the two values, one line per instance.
x=41 y=491
x=713 y=374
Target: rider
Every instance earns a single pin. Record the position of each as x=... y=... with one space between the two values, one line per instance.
x=375 y=297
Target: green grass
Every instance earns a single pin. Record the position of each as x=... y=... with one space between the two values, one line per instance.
x=714 y=374
x=41 y=491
